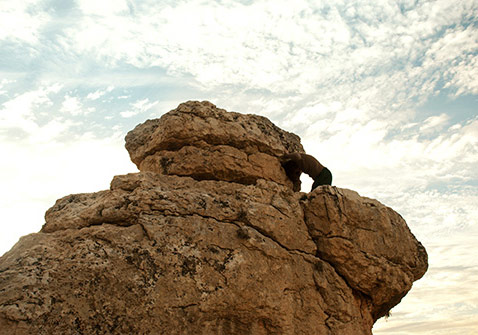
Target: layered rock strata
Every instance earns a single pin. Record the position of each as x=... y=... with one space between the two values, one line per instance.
x=205 y=142
x=209 y=238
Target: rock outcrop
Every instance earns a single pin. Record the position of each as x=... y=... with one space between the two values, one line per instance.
x=209 y=238
x=205 y=142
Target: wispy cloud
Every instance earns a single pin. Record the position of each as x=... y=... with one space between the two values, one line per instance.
x=434 y=123
x=139 y=106
x=99 y=93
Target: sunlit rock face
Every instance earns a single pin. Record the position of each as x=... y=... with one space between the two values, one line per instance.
x=209 y=238
x=204 y=142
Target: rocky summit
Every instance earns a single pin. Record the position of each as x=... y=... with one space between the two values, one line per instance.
x=209 y=238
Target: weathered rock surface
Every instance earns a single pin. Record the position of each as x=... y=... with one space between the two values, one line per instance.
x=369 y=245
x=209 y=238
x=205 y=142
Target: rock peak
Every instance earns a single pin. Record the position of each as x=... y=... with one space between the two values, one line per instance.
x=209 y=238
x=199 y=140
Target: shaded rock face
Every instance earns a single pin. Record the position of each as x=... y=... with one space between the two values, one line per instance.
x=209 y=238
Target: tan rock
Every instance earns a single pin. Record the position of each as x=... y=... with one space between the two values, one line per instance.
x=369 y=245
x=198 y=139
x=269 y=207
x=209 y=239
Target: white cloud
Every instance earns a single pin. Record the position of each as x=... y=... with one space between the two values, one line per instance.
x=20 y=21
x=50 y=131
x=72 y=105
x=453 y=44
x=337 y=51
x=434 y=123
x=99 y=93
x=264 y=53
x=104 y=7
x=355 y=147
x=464 y=76
x=95 y=95
x=19 y=111
x=301 y=46
x=129 y=113
x=143 y=105
x=139 y=106
x=4 y=83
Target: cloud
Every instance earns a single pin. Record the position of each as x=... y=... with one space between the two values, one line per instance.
x=99 y=93
x=128 y=113
x=19 y=112
x=377 y=56
x=143 y=105
x=20 y=22
x=4 y=83
x=434 y=123
x=139 y=106
x=357 y=138
x=464 y=76
x=72 y=105
x=280 y=48
x=106 y=7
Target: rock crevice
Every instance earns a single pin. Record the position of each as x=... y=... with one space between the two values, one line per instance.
x=209 y=238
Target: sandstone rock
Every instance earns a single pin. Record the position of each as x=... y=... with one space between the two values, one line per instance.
x=209 y=238
x=368 y=244
x=205 y=142
x=268 y=207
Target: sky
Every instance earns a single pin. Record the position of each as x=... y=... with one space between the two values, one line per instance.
x=384 y=93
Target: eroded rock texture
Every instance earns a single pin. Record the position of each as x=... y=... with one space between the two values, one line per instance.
x=205 y=142
x=209 y=238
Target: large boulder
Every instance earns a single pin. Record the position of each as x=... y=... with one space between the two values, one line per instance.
x=199 y=140
x=367 y=243
x=209 y=239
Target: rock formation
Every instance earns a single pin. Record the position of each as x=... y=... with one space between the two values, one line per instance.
x=209 y=238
